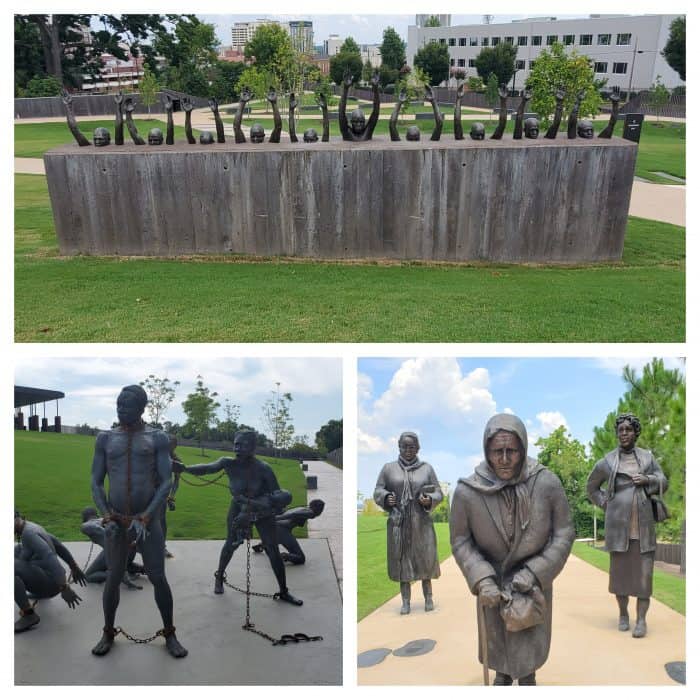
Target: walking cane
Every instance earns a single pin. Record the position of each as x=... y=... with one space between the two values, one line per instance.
x=484 y=641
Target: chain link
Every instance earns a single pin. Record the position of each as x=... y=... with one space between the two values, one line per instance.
x=148 y=640
x=207 y=482
x=85 y=565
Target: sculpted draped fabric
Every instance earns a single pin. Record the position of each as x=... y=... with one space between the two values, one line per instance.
x=497 y=528
x=411 y=542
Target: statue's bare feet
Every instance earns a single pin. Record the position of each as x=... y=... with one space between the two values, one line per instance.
x=289 y=598
x=104 y=645
x=175 y=649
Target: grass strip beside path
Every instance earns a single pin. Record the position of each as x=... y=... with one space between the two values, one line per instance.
x=668 y=589
x=52 y=486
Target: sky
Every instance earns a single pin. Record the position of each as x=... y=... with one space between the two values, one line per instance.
x=365 y=28
x=447 y=402
x=92 y=385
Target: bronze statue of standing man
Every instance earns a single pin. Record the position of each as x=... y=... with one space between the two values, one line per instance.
x=408 y=490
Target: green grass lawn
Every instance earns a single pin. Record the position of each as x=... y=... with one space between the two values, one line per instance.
x=52 y=486
x=374 y=587
x=33 y=140
x=668 y=589
x=89 y=299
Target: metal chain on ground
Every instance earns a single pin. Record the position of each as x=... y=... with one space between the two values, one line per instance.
x=85 y=566
x=148 y=640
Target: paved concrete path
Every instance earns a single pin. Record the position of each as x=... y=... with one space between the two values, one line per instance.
x=209 y=625
x=649 y=201
x=587 y=648
x=329 y=525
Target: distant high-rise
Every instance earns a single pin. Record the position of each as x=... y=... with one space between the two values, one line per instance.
x=445 y=20
x=242 y=32
x=302 y=34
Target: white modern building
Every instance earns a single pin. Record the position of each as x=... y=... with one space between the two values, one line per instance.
x=300 y=31
x=242 y=32
x=625 y=49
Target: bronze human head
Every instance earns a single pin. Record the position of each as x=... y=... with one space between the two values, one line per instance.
x=131 y=404
x=408 y=446
x=357 y=121
x=155 y=137
x=413 y=133
x=477 y=132
x=244 y=443
x=531 y=128
x=101 y=137
x=505 y=455
x=310 y=136
x=206 y=138
x=627 y=429
x=257 y=133
x=585 y=129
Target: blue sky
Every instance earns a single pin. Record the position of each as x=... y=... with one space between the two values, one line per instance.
x=447 y=401
x=91 y=385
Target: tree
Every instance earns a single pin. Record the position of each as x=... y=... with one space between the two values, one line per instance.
x=387 y=76
x=225 y=78
x=659 y=96
x=434 y=59
x=228 y=427
x=566 y=457
x=557 y=68
x=148 y=88
x=42 y=87
x=367 y=70
x=200 y=408
x=277 y=419
x=271 y=49
x=161 y=393
x=476 y=84
x=674 y=51
x=348 y=59
x=432 y=21
x=330 y=436
x=657 y=398
x=498 y=59
x=392 y=49
x=257 y=80
x=491 y=93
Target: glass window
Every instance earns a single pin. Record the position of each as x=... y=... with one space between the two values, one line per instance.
x=537 y=40
x=463 y=41
x=460 y=62
x=551 y=39
x=443 y=41
x=568 y=39
x=600 y=67
x=624 y=39
x=520 y=65
x=452 y=61
x=473 y=41
x=603 y=39
x=522 y=41
x=495 y=40
x=451 y=41
x=472 y=63
x=508 y=39
x=484 y=41
x=620 y=68
x=532 y=64
x=585 y=39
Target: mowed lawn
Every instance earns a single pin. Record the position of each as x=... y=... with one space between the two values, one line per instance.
x=374 y=587
x=668 y=589
x=90 y=299
x=52 y=486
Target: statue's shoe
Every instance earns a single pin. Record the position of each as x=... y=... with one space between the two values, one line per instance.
x=640 y=629
x=624 y=623
x=405 y=608
x=26 y=622
x=429 y=605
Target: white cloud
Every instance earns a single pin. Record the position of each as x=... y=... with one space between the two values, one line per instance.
x=372 y=444
x=547 y=423
x=615 y=365
x=365 y=387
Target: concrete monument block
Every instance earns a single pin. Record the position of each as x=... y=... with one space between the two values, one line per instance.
x=545 y=200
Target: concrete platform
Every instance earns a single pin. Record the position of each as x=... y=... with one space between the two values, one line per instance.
x=209 y=625
x=587 y=648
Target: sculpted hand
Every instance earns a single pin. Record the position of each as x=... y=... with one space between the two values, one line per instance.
x=272 y=95
x=374 y=80
x=246 y=95
x=527 y=93
x=560 y=94
x=615 y=97
x=321 y=100
x=391 y=500
x=177 y=466
x=213 y=104
x=403 y=96
x=489 y=594
x=292 y=101
x=187 y=104
x=71 y=597
x=581 y=95
x=503 y=92
x=640 y=479
x=347 y=78
x=119 y=98
x=460 y=91
x=138 y=528
x=524 y=580
x=78 y=575
x=129 y=104
x=424 y=500
x=66 y=97
x=429 y=96
x=168 y=103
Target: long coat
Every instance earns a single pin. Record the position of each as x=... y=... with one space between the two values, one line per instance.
x=482 y=549
x=616 y=499
x=411 y=545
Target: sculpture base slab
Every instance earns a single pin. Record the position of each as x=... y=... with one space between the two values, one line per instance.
x=526 y=201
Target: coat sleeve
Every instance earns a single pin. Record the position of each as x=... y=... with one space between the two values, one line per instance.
x=550 y=561
x=596 y=478
x=437 y=495
x=658 y=483
x=467 y=555
x=380 y=490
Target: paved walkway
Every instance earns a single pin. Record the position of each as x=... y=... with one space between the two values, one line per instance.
x=209 y=625
x=587 y=648
x=329 y=525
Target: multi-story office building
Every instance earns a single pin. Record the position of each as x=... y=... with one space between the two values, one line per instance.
x=242 y=32
x=625 y=49
x=332 y=44
x=302 y=33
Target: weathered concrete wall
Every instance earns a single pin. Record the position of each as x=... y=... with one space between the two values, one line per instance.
x=509 y=201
